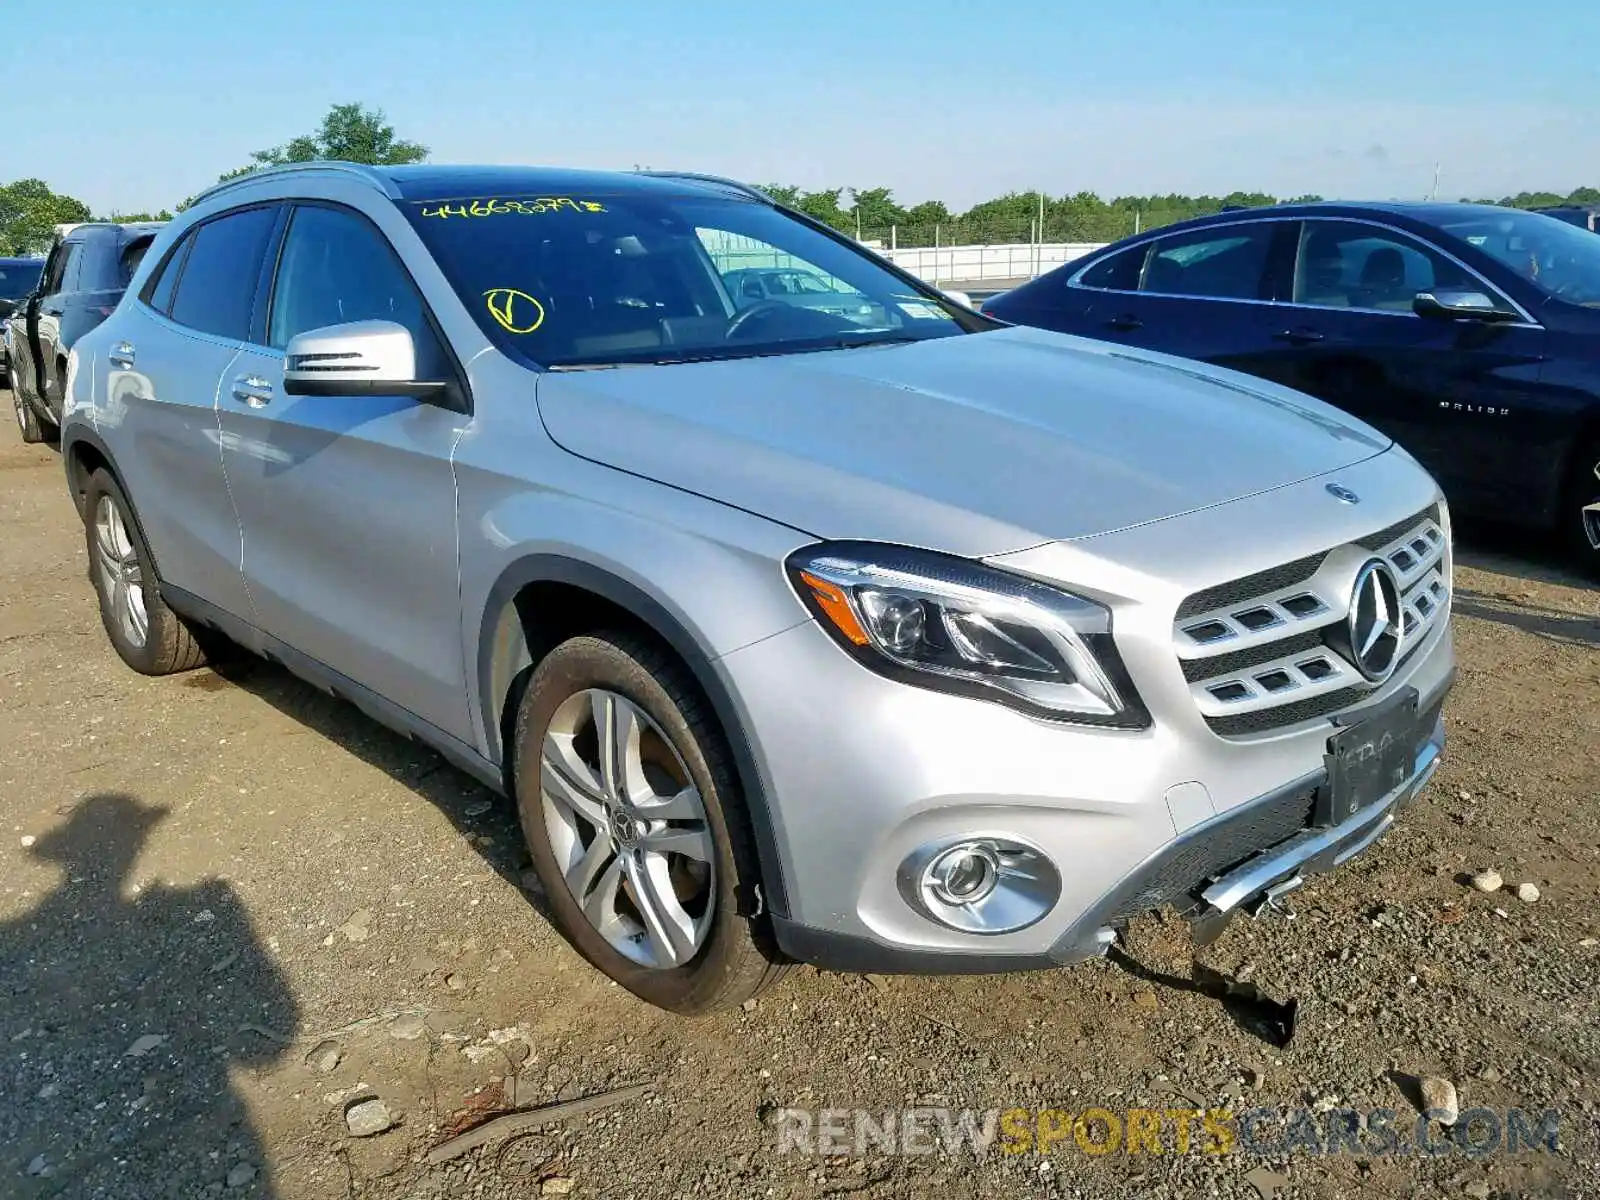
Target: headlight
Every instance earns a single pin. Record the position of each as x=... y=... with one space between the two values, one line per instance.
x=955 y=625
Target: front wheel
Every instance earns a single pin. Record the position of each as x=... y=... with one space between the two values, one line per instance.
x=636 y=827
x=1581 y=509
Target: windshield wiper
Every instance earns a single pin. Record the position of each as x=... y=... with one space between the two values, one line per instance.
x=729 y=354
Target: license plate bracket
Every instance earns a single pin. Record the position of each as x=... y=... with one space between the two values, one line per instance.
x=1368 y=759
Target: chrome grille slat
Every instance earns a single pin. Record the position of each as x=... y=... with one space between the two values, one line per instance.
x=1255 y=662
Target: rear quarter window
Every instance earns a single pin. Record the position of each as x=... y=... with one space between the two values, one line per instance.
x=1116 y=272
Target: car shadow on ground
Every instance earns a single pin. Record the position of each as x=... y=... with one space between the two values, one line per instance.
x=124 y=1008
x=484 y=818
x=1529 y=555
x=1566 y=628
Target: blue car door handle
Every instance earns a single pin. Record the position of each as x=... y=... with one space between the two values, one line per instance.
x=1125 y=322
x=1299 y=337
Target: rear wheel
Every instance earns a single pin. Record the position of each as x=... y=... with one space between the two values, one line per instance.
x=33 y=428
x=146 y=634
x=636 y=825
x=1580 y=510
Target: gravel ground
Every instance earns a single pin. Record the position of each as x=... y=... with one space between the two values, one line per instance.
x=232 y=909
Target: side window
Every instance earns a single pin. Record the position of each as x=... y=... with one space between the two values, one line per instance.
x=130 y=258
x=1226 y=263
x=336 y=268
x=1116 y=272
x=1348 y=264
x=53 y=269
x=72 y=267
x=218 y=286
x=158 y=295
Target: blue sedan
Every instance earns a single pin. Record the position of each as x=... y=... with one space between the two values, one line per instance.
x=1469 y=333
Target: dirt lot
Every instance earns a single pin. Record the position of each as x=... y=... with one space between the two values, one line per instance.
x=213 y=886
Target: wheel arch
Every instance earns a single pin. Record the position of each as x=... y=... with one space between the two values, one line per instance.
x=539 y=601
x=82 y=454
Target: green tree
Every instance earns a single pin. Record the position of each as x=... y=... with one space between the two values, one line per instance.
x=29 y=213
x=929 y=212
x=349 y=133
x=875 y=209
x=123 y=218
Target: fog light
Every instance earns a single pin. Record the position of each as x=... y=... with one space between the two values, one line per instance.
x=963 y=874
x=980 y=884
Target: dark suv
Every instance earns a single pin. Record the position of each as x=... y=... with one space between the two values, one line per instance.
x=18 y=278
x=1468 y=333
x=84 y=277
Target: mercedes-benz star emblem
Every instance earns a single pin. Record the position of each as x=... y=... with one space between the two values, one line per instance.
x=1375 y=624
x=1343 y=494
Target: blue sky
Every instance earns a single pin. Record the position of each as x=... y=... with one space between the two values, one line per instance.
x=942 y=99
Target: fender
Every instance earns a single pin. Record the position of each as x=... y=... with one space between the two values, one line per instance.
x=504 y=654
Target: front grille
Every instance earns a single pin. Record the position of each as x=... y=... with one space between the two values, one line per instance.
x=1239 y=590
x=1177 y=876
x=1256 y=651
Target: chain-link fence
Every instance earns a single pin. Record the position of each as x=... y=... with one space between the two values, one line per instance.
x=1109 y=225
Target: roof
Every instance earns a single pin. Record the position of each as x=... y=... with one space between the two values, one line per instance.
x=1423 y=212
x=132 y=228
x=428 y=181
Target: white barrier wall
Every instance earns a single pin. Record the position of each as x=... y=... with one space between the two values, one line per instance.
x=974 y=264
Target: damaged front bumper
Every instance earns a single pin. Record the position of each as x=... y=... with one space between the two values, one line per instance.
x=1240 y=861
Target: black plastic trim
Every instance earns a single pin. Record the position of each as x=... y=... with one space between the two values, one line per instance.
x=552 y=568
x=865 y=956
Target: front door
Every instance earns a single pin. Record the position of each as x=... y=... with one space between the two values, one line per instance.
x=348 y=503
x=1454 y=393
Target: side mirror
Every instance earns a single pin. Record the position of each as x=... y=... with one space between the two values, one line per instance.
x=362 y=358
x=1457 y=306
x=960 y=298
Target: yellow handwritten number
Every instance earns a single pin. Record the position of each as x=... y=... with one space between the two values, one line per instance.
x=503 y=304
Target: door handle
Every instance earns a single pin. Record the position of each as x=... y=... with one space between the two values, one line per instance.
x=1125 y=322
x=1298 y=337
x=121 y=355
x=252 y=390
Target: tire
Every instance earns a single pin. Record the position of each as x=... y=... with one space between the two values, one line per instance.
x=124 y=579
x=33 y=427
x=711 y=956
x=1580 y=509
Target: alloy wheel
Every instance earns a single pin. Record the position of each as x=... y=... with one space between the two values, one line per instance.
x=628 y=829
x=121 y=577
x=1591 y=512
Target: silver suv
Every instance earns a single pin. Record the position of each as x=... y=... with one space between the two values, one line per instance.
x=926 y=644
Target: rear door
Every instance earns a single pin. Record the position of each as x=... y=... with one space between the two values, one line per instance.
x=166 y=359
x=348 y=503
x=1454 y=393
x=1205 y=293
x=25 y=323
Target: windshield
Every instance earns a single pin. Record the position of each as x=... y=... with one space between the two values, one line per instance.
x=17 y=278
x=1559 y=259
x=597 y=280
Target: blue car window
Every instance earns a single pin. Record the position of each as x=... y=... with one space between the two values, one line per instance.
x=1350 y=264
x=1222 y=262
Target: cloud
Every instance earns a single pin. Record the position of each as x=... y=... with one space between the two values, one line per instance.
x=1375 y=153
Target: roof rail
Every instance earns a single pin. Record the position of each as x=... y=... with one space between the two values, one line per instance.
x=331 y=165
x=754 y=193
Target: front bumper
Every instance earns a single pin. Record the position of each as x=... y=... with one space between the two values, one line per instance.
x=1215 y=870
x=864 y=771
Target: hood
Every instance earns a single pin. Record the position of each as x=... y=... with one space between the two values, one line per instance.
x=976 y=444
